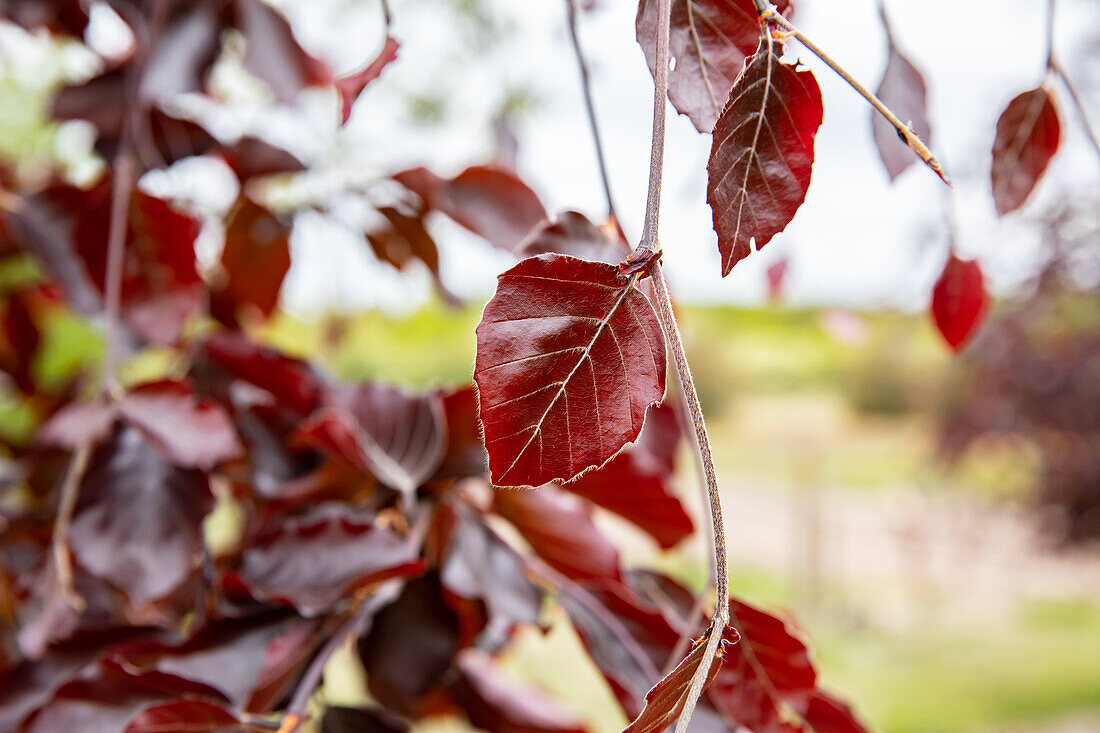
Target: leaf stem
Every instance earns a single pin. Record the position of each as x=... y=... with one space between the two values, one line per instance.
x=768 y=13
x=1086 y=124
x=122 y=185
x=582 y=64
x=63 y=562
x=657 y=151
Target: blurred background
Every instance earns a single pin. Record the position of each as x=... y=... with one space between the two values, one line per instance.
x=931 y=520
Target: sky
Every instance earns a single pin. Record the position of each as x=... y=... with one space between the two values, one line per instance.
x=858 y=240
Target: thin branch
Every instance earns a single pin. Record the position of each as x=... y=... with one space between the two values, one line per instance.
x=1086 y=124
x=122 y=186
x=1050 y=34
x=769 y=14
x=386 y=14
x=657 y=151
x=70 y=489
x=601 y=158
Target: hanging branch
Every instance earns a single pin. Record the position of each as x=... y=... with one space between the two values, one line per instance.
x=1055 y=68
x=769 y=14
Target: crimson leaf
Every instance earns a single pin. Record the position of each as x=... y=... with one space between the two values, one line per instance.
x=351 y=85
x=187 y=715
x=959 y=300
x=569 y=356
x=571 y=233
x=902 y=90
x=762 y=153
x=710 y=40
x=1028 y=133
x=256 y=257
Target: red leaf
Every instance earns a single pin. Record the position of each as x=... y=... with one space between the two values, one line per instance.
x=139 y=521
x=769 y=670
x=351 y=86
x=568 y=360
x=571 y=233
x=710 y=40
x=665 y=702
x=361 y=720
x=826 y=714
x=959 y=300
x=273 y=54
x=902 y=90
x=256 y=256
x=312 y=562
x=1028 y=133
x=494 y=702
x=184 y=716
x=465 y=456
x=403 y=239
x=490 y=201
x=251 y=158
x=292 y=383
x=762 y=153
x=638 y=483
x=559 y=528
x=192 y=432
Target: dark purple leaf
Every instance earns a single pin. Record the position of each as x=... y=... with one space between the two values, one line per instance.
x=361 y=720
x=292 y=383
x=568 y=359
x=902 y=89
x=251 y=158
x=273 y=54
x=465 y=455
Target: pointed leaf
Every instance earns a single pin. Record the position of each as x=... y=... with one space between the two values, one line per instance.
x=902 y=90
x=665 y=702
x=762 y=153
x=351 y=85
x=568 y=359
x=710 y=40
x=639 y=483
x=1028 y=133
x=560 y=529
x=959 y=300
x=192 y=715
x=490 y=201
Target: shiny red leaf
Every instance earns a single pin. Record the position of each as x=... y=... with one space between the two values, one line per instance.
x=568 y=359
x=1028 y=133
x=762 y=153
x=192 y=715
x=571 y=233
x=256 y=256
x=665 y=702
x=639 y=483
x=490 y=201
x=312 y=562
x=350 y=86
x=494 y=702
x=902 y=89
x=959 y=300
x=559 y=528
x=710 y=40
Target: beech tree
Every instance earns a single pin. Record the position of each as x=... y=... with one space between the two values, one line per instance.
x=371 y=513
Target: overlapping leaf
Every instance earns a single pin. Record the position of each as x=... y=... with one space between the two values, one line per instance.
x=571 y=233
x=568 y=359
x=902 y=89
x=959 y=300
x=1028 y=133
x=762 y=153
x=710 y=40
x=255 y=258
x=186 y=715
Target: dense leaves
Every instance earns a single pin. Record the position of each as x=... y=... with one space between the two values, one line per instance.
x=569 y=357
x=762 y=153
x=903 y=90
x=710 y=40
x=1028 y=133
x=959 y=300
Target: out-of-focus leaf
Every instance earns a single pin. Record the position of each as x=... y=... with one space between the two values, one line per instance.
x=710 y=40
x=639 y=483
x=665 y=702
x=21 y=338
x=187 y=715
x=312 y=562
x=138 y=523
x=568 y=359
x=1028 y=133
x=410 y=648
x=902 y=89
x=292 y=383
x=571 y=233
x=251 y=158
x=560 y=529
x=465 y=456
x=826 y=714
x=490 y=201
x=351 y=85
x=493 y=702
x=959 y=300
x=273 y=54
x=361 y=720
x=761 y=153
x=60 y=16
x=256 y=257
x=404 y=239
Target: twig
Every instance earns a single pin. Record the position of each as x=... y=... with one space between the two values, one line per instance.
x=657 y=150
x=590 y=107
x=386 y=14
x=769 y=14
x=122 y=186
x=1056 y=69
x=63 y=563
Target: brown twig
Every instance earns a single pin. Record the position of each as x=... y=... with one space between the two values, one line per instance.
x=769 y=14
x=657 y=149
x=122 y=186
x=1055 y=68
x=63 y=563
x=582 y=64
